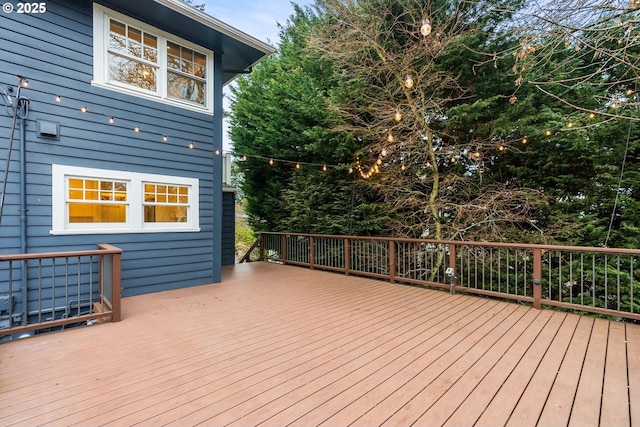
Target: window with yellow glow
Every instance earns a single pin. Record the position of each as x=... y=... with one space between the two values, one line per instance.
x=89 y=201
x=165 y=203
x=97 y=201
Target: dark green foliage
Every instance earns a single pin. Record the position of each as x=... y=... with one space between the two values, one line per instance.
x=281 y=112
x=512 y=162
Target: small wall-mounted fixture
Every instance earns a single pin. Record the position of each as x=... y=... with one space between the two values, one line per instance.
x=47 y=129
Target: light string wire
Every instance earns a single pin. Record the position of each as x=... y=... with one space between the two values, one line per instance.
x=122 y=123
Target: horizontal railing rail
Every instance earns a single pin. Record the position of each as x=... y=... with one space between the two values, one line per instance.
x=586 y=279
x=55 y=290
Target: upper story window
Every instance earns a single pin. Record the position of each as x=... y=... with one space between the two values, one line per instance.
x=135 y=58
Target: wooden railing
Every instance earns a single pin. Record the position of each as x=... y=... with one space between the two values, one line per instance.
x=55 y=290
x=585 y=279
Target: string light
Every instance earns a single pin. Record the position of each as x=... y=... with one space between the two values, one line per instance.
x=592 y=116
x=383 y=153
x=58 y=99
x=390 y=137
x=112 y=120
x=244 y=158
x=408 y=81
x=297 y=165
x=548 y=133
x=270 y=162
x=525 y=140
x=425 y=29
x=25 y=82
x=191 y=145
x=398 y=116
x=217 y=152
x=324 y=168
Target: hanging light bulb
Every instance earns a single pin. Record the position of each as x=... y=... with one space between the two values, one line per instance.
x=136 y=129
x=476 y=154
x=324 y=168
x=453 y=160
x=217 y=152
x=165 y=138
x=525 y=140
x=390 y=137
x=83 y=109
x=398 y=116
x=379 y=161
x=592 y=116
x=425 y=29
x=402 y=167
x=58 y=98
x=191 y=145
x=270 y=162
x=408 y=81
x=244 y=158
x=350 y=170
x=111 y=120
x=297 y=165
x=25 y=82
x=383 y=153
x=548 y=133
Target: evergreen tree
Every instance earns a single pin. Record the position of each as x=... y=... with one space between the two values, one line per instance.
x=280 y=120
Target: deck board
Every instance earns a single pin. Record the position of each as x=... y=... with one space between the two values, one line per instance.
x=277 y=345
x=585 y=412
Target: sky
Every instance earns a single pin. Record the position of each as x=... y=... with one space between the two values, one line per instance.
x=257 y=18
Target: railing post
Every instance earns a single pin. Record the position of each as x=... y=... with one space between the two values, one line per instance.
x=392 y=261
x=116 y=286
x=347 y=256
x=284 y=248
x=537 y=278
x=312 y=252
x=261 y=237
x=452 y=266
x=111 y=280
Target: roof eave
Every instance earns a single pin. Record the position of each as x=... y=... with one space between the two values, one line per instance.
x=217 y=25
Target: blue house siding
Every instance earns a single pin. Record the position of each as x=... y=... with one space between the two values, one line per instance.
x=228 y=227
x=54 y=51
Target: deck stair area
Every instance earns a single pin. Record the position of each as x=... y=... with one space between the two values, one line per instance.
x=279 y=345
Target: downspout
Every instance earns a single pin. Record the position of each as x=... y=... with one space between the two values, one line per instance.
x=23 y=218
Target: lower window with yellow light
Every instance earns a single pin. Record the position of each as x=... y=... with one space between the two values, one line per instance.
x=88 y=200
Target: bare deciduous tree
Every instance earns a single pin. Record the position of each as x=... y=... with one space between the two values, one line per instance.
x=402 y=63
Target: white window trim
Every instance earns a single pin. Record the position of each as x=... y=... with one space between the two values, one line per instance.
x=135 y=200
x=101 y=16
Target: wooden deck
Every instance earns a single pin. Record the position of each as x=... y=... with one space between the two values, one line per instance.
x=277 y=345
